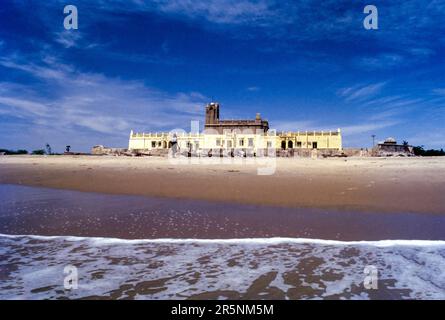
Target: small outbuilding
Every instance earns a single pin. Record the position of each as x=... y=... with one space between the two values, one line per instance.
x=390 y=147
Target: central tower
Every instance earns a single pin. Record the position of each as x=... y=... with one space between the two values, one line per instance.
x=213 y=122
x=212 y=113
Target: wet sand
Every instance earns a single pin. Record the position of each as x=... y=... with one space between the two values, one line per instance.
x=415 y=185
x=52 y=212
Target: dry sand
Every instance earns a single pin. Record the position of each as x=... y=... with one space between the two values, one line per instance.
x=372 y=184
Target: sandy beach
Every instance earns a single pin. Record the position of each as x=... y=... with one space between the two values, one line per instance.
x=306 y=232
x=414 y=185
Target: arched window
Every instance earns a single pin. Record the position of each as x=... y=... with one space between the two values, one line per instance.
x=290 y=144
x=283 y=144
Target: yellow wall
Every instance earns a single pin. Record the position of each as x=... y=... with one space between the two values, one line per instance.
x=300 y=140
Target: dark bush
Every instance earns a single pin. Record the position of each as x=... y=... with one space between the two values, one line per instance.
x=39 y=152
x=420 y=151
x=12 y=152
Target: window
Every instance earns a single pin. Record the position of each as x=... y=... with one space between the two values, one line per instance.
x=241 y=142
x=250 y=142
x=314 y=145
x=298 y=144
x=153 y=144
x=159 y=143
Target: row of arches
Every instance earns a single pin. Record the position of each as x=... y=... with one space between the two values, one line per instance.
x=290 y=145
x=284 y=144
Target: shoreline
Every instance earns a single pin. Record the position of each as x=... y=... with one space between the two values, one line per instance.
x=236 y=241
x=407 y=185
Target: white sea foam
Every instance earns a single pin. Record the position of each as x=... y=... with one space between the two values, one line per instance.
x=288 y=268
x=270 y=241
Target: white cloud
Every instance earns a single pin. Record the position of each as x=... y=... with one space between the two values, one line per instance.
x=25 y=106
x=68 y=38
x=439 y=91
x=219 y=11
x=56 y=72
x=381 y=61
x=360 y=93
x=366 y=127
x=270 y=18
x=105 y=106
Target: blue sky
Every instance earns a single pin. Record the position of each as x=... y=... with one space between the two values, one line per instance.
x=153 y=65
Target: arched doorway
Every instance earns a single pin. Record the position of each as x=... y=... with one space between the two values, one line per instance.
x=290 y=144
x=283 y=145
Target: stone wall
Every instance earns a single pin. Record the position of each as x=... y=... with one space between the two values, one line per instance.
x=295 y=152
x=101 y=150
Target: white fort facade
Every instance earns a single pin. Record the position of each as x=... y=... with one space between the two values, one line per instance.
x=248 y=137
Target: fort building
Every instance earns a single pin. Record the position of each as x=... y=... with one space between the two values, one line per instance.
x=252 y=137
